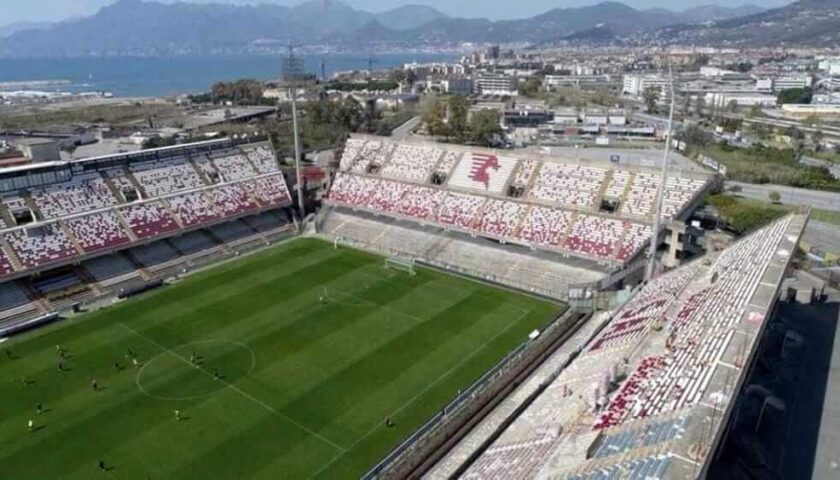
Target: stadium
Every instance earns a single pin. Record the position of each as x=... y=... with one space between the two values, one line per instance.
x=447 y=312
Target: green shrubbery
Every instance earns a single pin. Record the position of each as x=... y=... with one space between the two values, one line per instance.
x=745 y=215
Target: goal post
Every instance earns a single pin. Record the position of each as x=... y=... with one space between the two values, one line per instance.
x=402 y=264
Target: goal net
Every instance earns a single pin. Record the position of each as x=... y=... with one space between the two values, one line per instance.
x=401 y=264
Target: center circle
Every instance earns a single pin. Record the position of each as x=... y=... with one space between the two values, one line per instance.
x=195 y=369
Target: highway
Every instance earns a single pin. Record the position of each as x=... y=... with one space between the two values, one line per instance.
x=790 y=195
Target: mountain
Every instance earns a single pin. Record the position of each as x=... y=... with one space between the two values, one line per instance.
x=715 y=13
x=802 y=23
x=408 y=17
x=149 y=27
x=556 y=23
x=13 y=28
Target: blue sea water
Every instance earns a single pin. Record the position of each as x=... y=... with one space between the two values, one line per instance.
x=144 y=77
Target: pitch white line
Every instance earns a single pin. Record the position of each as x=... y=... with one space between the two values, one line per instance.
x=237 y=390
x=374 y=304
x=420 y=394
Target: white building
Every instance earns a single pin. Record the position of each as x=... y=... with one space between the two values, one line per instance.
x=565 y=116
x=595 y=116
x=784 y=83
x=722 y=100
x=832 y=98
x=496 y=84
x=636 y=84
x=830 y=66
x=764 y=84
x=617 y=117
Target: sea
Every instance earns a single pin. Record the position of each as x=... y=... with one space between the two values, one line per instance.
x=169 y=76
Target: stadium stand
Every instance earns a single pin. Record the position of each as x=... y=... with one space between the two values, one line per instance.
x=646 y=396
x=193 y=208
x=231 y=231
x=162 y=177
x=148 y=219
x=196 y=241
x=86 y=211
x=263 y=160
x=11 y=296
x=40 y=245
x=412 y=163
x=235 y=167
x=108 y=266
x=154 y=253
x=540 y=202
x=569 y=185
x=83 y=193
x=98 y=231
x=517 y=267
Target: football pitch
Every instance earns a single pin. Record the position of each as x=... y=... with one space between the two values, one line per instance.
x=282 y=364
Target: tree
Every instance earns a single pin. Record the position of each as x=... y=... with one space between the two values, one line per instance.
x=794 y=133
x=775 y=196
x=458 y=110
x=817 y=138
x=812 y=120
x=485 y=127
x=650 y=97
x=760 y=130
x=794 y=95
x=754 y=111
x=687 y=105
x=700 y=105
x=531 y=87
x=696 y=137
x=434 y=118
x=732 y=106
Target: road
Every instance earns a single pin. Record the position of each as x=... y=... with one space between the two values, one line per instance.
x=406 y=128
x=790 y=195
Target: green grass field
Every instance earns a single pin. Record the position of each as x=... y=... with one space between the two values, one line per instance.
x=306 y=382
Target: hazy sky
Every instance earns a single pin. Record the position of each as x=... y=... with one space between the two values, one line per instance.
x=13 y=11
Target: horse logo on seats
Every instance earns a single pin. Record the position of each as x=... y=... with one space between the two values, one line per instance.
x=482 y=163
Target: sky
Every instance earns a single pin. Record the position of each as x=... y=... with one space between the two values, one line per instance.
x=14 y=11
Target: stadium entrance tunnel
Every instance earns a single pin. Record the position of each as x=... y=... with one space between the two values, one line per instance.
x=195 y=369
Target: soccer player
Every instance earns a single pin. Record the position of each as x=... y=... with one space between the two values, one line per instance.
x=39 y=408
x=94 y=384
x=216 y=375
x=389 y=423
x=9 y=355
x=31 y=426
x=60 y=366
x=177 y=415
x=135 y=363
x=102 y=465
x=117 y=366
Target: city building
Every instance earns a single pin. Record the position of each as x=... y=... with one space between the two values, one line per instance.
x=38 y=149
x=723 y=99
x=459 y=86
x=496 y=84
x=637 y=84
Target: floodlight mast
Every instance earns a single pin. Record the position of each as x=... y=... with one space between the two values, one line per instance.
x=294 y=70
x=657 y=220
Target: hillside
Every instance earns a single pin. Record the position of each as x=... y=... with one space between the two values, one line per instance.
x=802 y=23
x=138 y=27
